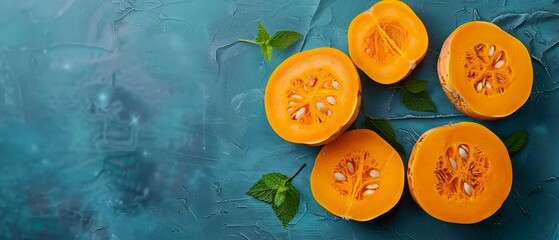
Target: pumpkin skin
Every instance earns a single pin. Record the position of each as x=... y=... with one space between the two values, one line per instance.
x=358 y=176
x=325 y=84
x=387 y=41
x=459 y=173
x=484 y=71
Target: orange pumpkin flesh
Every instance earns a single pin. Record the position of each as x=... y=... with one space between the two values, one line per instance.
x=358 y=176
x=485 y=72
x=460 y=173
x=387 y=41
x=313 y=96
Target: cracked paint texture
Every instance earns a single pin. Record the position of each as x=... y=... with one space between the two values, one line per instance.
x=143 y=119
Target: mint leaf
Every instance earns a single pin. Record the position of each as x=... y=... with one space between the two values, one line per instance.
x=262 y=192
x=262 y=35
x=280 y=195
x=516 y=141
x=267 y=51
x=420 y=102
x=266 y=188
x=415 y=86
x=274 y=180
x=276 y=189
x=385 y=130
x=284 y=39
x=280 y=40
x=286 y=211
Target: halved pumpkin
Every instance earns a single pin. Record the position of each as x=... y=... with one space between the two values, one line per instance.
x=358 y=176
x=460 y=173
x=484 y=71
x=313 y=96
x=387 y=41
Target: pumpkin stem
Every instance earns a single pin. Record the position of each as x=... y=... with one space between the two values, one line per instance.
x=295 y=174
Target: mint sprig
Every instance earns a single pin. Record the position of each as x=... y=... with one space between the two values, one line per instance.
x=280 y=40
x=415 y=86
x=414 y=96
x=515 y=142
x=276 y=189
x=384 y=129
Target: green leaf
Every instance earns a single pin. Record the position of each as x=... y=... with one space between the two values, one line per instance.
x=280 y=196
x=267 y=51
x=263 y=35
x=276 y=189
x=261 y=191
x=420 y=102
x=284 y=39
x=274 y=180
x=385 y=130
x=265 y=189
x=415 y=86
x=280 y=40
x=516 y=141
x=286 y=211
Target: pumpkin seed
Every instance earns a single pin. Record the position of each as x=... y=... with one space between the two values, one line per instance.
x=500 y=64
x=350 y=168
x=463 y=151
x=331 y=100
x=339 y=176
x=320 y=105
x=453 y=163
x=300 y=113
x=374 y=173
x=467 y=189
x=491 y=50
x=373 y=186
x=335 y=84
x=479 y=86
x=368 y=192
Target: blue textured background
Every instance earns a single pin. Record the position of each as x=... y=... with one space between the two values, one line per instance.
x=143 y=119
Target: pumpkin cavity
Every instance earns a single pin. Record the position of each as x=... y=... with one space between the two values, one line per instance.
x=312 y=96
x=461 y=172
x=358 y=176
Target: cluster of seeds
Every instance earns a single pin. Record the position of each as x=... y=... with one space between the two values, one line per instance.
x=486 y=66
x=461 y=172
x=312 y=96
x=357 y=175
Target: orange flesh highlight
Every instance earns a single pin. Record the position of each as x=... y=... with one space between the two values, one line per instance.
x=460 y=173
x=313 y=96
x=358 y=176
x=387 y=41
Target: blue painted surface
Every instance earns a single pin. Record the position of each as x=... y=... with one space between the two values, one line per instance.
x=143 y=119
